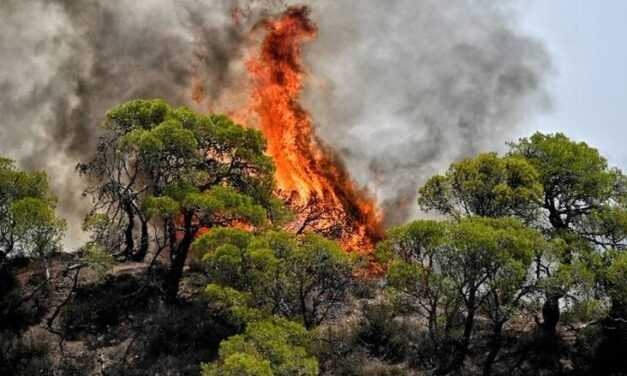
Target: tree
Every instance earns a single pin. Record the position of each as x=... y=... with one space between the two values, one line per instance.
x=476 y=264
x=181 y=172
x=576 y=180
x=266 y=348
x=302 y=278
x=414 y=275
x=487 y=186
x=117 y=182
x=559 y=186
x=29 y=226
x=582 y=198
x=617 y=284
x=610 y=352
x=508 y=285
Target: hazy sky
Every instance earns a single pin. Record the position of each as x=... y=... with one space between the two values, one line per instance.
x=587 y=40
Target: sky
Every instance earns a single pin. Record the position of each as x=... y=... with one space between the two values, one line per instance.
x=587 y=41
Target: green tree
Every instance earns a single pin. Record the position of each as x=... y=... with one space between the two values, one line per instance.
x=576 y=180
x=117 y=181
x=487 y=186
x=182 y=172
x=562 y=187
x=416 y=280
x=473 y=265
x=582 y=198
x=29 y=226
x=266 y=348
x=617 y=284
x=610 y=353
x=301 y=278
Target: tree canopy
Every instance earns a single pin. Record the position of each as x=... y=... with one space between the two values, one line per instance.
x=301 y=278
x=562 y=187
x=180 y=171
x=274 y=347
x=580 y=192
x=28 y=223
x=487 y=185
x=439 y=269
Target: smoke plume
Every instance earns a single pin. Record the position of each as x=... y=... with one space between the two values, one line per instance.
x=398 y=89
x=406 y=87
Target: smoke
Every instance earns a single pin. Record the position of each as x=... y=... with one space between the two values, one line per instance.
x=399 y=88
x=64 y=63
x=405 y=87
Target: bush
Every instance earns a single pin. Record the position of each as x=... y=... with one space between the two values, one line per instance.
x=383 y=334
x=339 y=351
x=269 y=347
x=584 y=311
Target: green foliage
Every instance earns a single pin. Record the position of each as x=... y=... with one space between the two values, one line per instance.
x=233 y=304
x=156 y=207
x=584 y=311
x=476 y=264
x=617 y=280
x=434 y=260
x=576 y=180
x=488 y=185
x=411 y=241
x=569 y=171
x=563 y=187
x=570 y=263
x=382 y=334
x=182 y=171
x=161 y=161
x=97 y=258
x=299 y=278
x=239 y=364
x=28 y=224
x=269 y=347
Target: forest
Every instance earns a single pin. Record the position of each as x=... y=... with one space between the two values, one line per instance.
x=517 y=267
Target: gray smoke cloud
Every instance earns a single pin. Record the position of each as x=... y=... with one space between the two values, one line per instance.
x=399 y=88
x=405 y=87
x=64 y=63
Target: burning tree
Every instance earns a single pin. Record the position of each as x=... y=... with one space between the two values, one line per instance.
x=306 y=169
x=180 y=172
x=309 y=176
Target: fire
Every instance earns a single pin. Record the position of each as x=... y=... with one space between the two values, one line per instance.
x=309 y=176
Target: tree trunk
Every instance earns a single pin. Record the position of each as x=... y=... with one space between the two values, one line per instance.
x=143 y=244
x=550 y=315
x=3 y=257
x=495 y=347
x=469 y=322
x=468 y=326
x=128 y=234
x=176 y=269
x=178 y=261
x=610 y=356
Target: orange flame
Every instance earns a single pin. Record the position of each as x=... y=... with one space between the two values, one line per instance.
x=309 y=176
x=307 y=171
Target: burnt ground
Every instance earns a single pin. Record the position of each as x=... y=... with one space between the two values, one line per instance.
x=112 y=324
